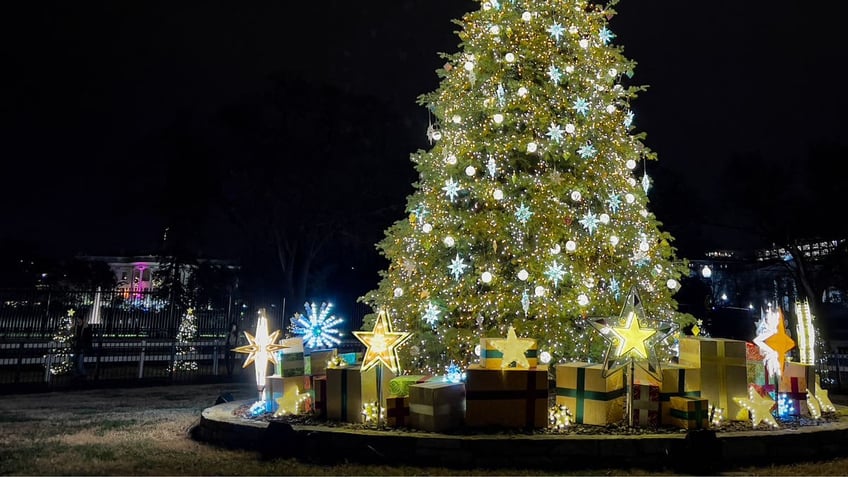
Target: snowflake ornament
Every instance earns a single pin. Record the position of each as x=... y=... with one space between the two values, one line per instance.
x=555 y=272
x=451 y=189
x=556 y=30
x=589 y=222
x=606 y=35
x=318 y=328
x=581 y=106
x=523 y=214
x=587 y=151
x=554 y=74
x=555 y=133
x=431 y=314
x=457 y=267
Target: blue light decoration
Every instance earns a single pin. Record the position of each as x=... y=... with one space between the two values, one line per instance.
x=451 y=189
x=457 y=267
x=581 y=106
x=454 y=373
x=555 y=133
x=431 y=314
x=614 y=202
x=556 y=30
x=318 y=328
x=587 y=151
x=785 y=406
x=606 y=35
x=258 y=408
x=589 y=222
x=555 y=272
x=523 y=214
x=554 y=74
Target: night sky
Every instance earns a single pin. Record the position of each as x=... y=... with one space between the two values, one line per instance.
x=89 y=89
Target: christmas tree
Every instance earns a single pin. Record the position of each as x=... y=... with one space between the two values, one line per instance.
x=531 y=207
x=186 y=335
x=60 y=346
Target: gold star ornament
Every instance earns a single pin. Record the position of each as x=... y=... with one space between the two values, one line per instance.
x=759 y=407
x=381 y=344
x=780 y=342
x=513 y=349
x=290 y=402
x=823 y=399
x=260 y=349
x=634 y=338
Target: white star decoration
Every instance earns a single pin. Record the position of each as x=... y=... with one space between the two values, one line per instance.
x=555 y=272
x=456 y=267
x=431 y=314
x=555 y=74
x=451 y=189
x=589 y=222
x=555 y=133
x=556 y=30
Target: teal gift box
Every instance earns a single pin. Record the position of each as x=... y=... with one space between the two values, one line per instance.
x=290 y=360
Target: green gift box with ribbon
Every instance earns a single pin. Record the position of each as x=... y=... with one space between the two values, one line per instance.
x=399 y=386
x=511 y=398
x=436 y=406
x=318 y=359
x=676 y=381
x=591 y=397
x=724 y=371
x=290 y=360
x=491 y=358
x=689 y=412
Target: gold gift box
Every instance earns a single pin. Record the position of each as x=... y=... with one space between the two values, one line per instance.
x=724 y=372
x=512 y=397
x=436 y=406
x=676 y=381
x=797 y=378
x=318 y=361
x=592 y=398
x=689 y=412
x=491 y=358
x=348 y=389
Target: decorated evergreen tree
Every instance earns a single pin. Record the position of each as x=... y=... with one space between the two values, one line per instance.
x=61 y=349
x=531 y=208
x=186 y=335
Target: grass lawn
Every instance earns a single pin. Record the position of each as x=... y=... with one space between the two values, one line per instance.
x=144 y=431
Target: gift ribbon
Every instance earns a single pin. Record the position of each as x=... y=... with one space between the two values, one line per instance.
x=430 y=410
x=698 y=414
x=581 y=394
x=493 y=353
x=397 y=411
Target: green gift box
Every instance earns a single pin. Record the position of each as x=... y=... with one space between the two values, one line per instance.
x=399 y=386
x=290 y=360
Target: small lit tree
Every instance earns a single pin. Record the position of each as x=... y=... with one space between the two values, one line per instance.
x=186 y=336
x=61 y=352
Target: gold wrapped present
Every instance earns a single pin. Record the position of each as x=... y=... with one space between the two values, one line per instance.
x=512 y=397
x=318 y=360
x=724 y=373
x=689 y=413
x=592 y=398
x=348 y=389
x=397 y=411
x=676 y=381
x=491 y=358
x=290 y=359
x=436 y=406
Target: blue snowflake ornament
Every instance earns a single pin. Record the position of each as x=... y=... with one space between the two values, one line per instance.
x=525 y=302
x=614 y=202
x=454 y=373
x=555 y=272
x=587 y=151
x=589 y=222
x=581 y=106
x=628 y=119
x=457 y=267
x=492 y=167
x=606 y=35
x=615 y=287
x=451 y=189
x=556 y=30
x=319 y=329
x=523 y=214
x=554 y=74
x=501 y=94
x=431 y=314
x=555 y=133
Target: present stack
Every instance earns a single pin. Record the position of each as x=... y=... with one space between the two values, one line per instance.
x=677 y=380
x=348 y=388
x=724 y=373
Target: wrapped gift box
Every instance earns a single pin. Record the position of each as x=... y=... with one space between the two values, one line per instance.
x=646 y=405
x=755 y=365
x=794 y=382
x=290 y=360
x=592 y=398
x=397 y=411
x=436 y=406
x=276 y=385
x=689 y=413
x=399 y=386
x=348 y=389
x=317 y=360
x=724 y=373
x=319 y=389
x=491 y=358
x=512 y=397
x=676 y=381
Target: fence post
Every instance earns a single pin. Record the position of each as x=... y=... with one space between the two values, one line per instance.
x=48 y=362
x=215 y=359
x=141 y=361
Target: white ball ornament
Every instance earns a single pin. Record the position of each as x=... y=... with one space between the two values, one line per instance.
x=613 y=73
x=522 y=91
x=487 y=6
x=576 y=195
x=427 y=228
x=486 y=277
x=643 y=246
x=469 y=66
x=526 y=16
x=532 y=147
x=672 y=284
x=497 y=194
x=610 y=109
x=509 y=57
x=545 y=357
x=451 y=159
x=456 y=119
x=632 y=182
x=449 y=241
x=644 y=213
x=539 y=291
x=470 y=171
x=494 y=29
x=614 y=240
x=572 y=29
x=605 y=219
x=630 y=164
x=629 y=198
x=569 y=69
x=398 y=292
x=584 y=43
x=571 y=245
x=477 y=350
x=582 y=300
x=437 y=135
x=523 y=275
x=569 y=128
x=498 y=118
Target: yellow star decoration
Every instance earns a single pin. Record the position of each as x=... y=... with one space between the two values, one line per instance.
x=290 y=402
x=632 y=337
x=780 y=341
x=71 y=312
x=260 y=348
x=381 y=344
x=813 y=405
x=758 y=406
x=513 y=349
x=823 y=399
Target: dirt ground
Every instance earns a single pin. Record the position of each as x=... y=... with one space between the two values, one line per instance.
x=145 y=431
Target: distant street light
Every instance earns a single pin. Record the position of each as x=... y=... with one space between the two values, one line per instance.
x=706 y=272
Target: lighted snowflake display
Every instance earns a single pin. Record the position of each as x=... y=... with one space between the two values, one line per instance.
x=318 y=328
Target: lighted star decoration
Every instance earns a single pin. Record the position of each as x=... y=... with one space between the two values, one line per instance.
x=457 y=267
x=554 y=74
x=381 y=344
x=759 y=407
x=260 y=349
x=523 y=214
x=606 y=35
x=614 y=202
x=823 y=399
x=513 y=349
x=634 y=338
x=290 y=402
x=556 y=30
x=555 y=133
x=589 y=222
x=71 y=312
x=581 y=106
x=431 y=314
x=587 y=151
x=451 y=189
x=813 y=405
x=555 y=272
x=780 y=342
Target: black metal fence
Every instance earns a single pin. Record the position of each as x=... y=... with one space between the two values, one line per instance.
x=134 y=335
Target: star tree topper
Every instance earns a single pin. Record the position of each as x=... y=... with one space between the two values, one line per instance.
x=381 y=344
x=513 y=349
x=634 y=338
x=260 y=348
